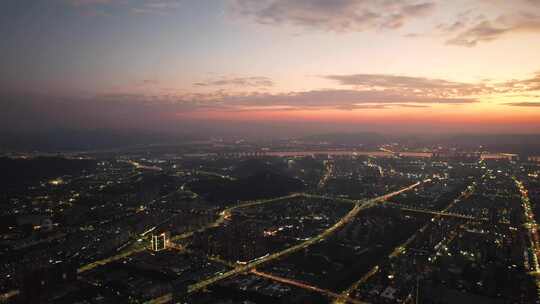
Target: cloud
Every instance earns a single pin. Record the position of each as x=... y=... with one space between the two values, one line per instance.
x=88 y=2
x=482 y=32
x=238 y=82
x=523 y=85
x=133 y=110
x=452 y=27
x=412 y=85
x=314 y=99
x=318 y=99
x=379 y=106
x=335 y=15
x=156 y=7
x=523 y=104
x=132 y=6
x=470 y=34
x=487 y=20
x=146 y=83
x=369 y=92
x=425 y=87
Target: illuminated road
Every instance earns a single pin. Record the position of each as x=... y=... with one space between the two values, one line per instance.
x=306 y=286
x=328 y=232
x=139 y=166
x=134 y=246
x=329 y=169
x=532 y=233
x=402 y=247
x=214 y=174
x=225 y=215
x=346 y=293
x=275 y=278
x=166 y=298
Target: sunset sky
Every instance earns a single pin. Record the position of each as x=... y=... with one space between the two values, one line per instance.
x=353 y=65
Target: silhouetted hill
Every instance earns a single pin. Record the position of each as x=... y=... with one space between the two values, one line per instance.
x=515 y=143
x=15 y=173
x=149 y=184
x=251 y=167
x=261 y=185
x=72 y=140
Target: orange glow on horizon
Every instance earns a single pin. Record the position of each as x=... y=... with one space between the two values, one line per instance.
x=401 y=115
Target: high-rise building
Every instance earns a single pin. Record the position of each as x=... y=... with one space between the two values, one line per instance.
x=159 y=241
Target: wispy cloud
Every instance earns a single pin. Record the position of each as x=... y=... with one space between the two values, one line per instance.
x=133 y=110
x=522 y=85
x=422 y=86
x=88 y=2
x=468 y=28
x=336 y=15
x=332 y=98
x=470 y=32
x=523 y=104
x=369 y=92
x=237 y=82
x=380 y=106
x=131 y=6
x=412 y=85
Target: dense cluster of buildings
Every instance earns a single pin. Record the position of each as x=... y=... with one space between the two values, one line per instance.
x=130 y=229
